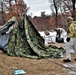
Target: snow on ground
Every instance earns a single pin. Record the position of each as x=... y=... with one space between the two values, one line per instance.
x=52 y=37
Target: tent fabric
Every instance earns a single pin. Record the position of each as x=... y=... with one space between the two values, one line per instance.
x=25 y=41
x=38 y=45
x=4 y=40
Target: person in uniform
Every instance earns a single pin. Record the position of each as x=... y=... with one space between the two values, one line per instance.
x=47 y=37
x=71 y=39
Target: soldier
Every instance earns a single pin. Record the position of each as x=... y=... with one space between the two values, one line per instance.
x=47 y=37
x=71 y=39
x=59 y=37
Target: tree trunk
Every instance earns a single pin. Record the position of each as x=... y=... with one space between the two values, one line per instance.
x=56 y=20
x=2 y=12
x=73 y=13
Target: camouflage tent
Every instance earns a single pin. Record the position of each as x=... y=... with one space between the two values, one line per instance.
x=25 y=41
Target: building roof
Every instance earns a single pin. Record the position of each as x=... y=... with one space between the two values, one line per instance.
x=42 y=23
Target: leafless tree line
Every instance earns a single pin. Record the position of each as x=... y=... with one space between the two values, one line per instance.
x=66 y=7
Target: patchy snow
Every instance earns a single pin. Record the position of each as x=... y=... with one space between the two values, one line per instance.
x=51 y=38
x=71 y=68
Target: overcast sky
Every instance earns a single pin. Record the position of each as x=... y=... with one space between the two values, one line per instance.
x=38 y=6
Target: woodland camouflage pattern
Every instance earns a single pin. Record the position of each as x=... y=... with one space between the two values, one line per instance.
x=25 y=41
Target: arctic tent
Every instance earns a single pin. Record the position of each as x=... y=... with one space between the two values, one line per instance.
x=25 y=41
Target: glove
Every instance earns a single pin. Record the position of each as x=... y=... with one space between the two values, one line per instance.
x=3 y=33
x=68 y=39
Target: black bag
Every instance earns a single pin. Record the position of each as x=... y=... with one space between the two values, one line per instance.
x=60 y=40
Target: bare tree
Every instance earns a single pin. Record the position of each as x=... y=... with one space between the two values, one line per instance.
x=3 y=13
x=43 y=14
x=70 y=6
x=56 y=12
x=12 y=8
x=55 y=6
x=73 y=13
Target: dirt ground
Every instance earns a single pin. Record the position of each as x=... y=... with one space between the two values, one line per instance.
x=50 y=66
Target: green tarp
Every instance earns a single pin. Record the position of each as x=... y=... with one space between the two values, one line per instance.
x=25 y=41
